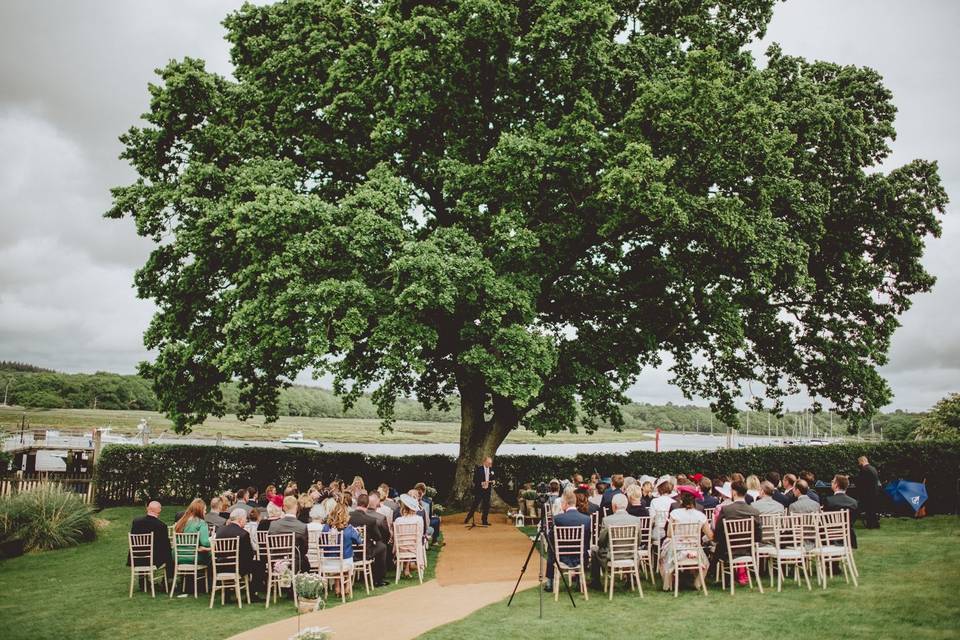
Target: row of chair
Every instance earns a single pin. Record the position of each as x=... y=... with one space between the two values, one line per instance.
x=798 y=541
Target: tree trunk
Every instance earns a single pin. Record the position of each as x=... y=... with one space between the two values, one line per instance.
x=479 y=438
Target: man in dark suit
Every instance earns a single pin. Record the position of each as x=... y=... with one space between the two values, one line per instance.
x=840 y=500
x=289 y=523
x=151 y=523
x=483 y=479
x=773 y=478
x=248 y=563
x=376 y=541
x=736 y=510
x=787 y=496
x=867 y=484
x=616 y=488
x=253 y=498
x=569 y=518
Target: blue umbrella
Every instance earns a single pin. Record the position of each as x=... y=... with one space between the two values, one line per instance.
x=904 y=492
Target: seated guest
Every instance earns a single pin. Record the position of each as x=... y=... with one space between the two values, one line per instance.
x=765 y=503
x=596 y=495
x=618 y=517
x=707 y=500
x=737 y=509
x=236 y=527
x=635 y=505
x=840 y=500
x=356 y=487
x=774 y=478
x=738 y=477
x=213 y=516
x=583 y=502
x=288 y=523
x=383 y=515
x=242 y=502
x=253 y=498
x=811 y=480
x=386 y=498
x=273 y=513
x=434 y=521
x=569 y=517
x=376 y=540
x=789 y=496
x=803 y=503
x=253 y=521
x=304 y=504
x=753 y=486
x=339 y=520
x=616 y=489
x=192 y=521
x=422 y=512
x=647 y=488
x=660 y=506
x=151 y=523
x=408 y=515
x=269 y=495
x=686 y=514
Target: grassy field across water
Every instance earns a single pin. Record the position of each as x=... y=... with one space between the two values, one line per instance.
x=323 y=429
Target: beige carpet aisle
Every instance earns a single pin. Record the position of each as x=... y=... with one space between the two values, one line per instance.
x=475 y=568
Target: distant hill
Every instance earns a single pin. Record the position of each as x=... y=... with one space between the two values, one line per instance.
x=30 y=386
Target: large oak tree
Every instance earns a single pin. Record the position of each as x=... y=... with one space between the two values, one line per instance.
x=521 y=203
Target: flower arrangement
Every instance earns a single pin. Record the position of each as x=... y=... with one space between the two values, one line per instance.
x=314 y=633
x=309 y=586
x=283 y=569
x=438 y=509
x=431 y=492
x=529 y=494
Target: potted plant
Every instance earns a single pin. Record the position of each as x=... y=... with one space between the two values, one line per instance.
x=314 y=633
x=529 y=506
x=309 y=590
x=437 y=510
x=431 y=492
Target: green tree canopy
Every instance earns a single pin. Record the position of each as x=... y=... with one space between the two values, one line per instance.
x=943 y=421
x=523 y=203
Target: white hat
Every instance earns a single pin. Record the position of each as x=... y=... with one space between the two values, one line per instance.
x=662 y=479
x=410 y=502
x=725 y=490
x=645 y=478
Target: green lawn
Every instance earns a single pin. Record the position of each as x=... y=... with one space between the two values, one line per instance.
x=324 y=429
x=910 y=580
x=81 y=594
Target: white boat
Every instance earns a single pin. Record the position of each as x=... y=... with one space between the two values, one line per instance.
x=296 y=440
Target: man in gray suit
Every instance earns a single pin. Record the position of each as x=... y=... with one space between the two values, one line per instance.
x=736 y=510
x=288 y=523
x=803 y=502
x=599 y=552
x=765 y=504
x=213 y=515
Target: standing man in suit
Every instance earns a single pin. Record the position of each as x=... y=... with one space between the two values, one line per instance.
x=483 y=479
x=376 y=539
x=151 y=523
x=248 y=564
x=840 y=500
x=868 y=483
x=289 y=523
x=569 y=518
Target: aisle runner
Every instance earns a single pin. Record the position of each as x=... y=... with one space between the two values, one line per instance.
x=475 y=568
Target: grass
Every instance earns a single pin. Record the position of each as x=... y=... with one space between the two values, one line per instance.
x=323 y=429
x=910 y=577
x=81 y=594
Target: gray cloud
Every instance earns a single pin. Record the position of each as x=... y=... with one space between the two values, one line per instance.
x=74 y=76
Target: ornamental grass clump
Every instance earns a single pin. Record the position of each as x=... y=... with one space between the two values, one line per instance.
x=46 y=518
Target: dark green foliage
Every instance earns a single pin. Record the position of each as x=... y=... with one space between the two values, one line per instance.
x=8 y=365
x=177 y=473
x=46 y=518
x=943 y=421
x=101 y=390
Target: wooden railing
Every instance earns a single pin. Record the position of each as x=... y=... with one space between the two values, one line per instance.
x=82 y=486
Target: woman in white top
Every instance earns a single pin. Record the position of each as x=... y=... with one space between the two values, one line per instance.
x=660 y=506
x=753 y=486
x=408 y=516
x=687 y=515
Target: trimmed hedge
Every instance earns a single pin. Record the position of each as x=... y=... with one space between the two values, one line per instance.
x=178 y=473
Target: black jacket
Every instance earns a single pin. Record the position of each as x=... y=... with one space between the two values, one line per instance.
x=161 y=539
x=245 y=554
x=842 y=501
x=478 y=478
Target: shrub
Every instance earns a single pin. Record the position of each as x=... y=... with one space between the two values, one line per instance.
x=46 y=518
x=178 y=473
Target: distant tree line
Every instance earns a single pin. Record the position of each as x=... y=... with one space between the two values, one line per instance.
x=33 y=387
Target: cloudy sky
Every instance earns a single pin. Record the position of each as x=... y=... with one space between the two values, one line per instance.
x=73 y=76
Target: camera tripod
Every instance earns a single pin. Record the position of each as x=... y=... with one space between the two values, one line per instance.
x=558 y=574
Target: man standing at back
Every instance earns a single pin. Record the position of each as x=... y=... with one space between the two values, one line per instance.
x=483 y=479
x=867 y=483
